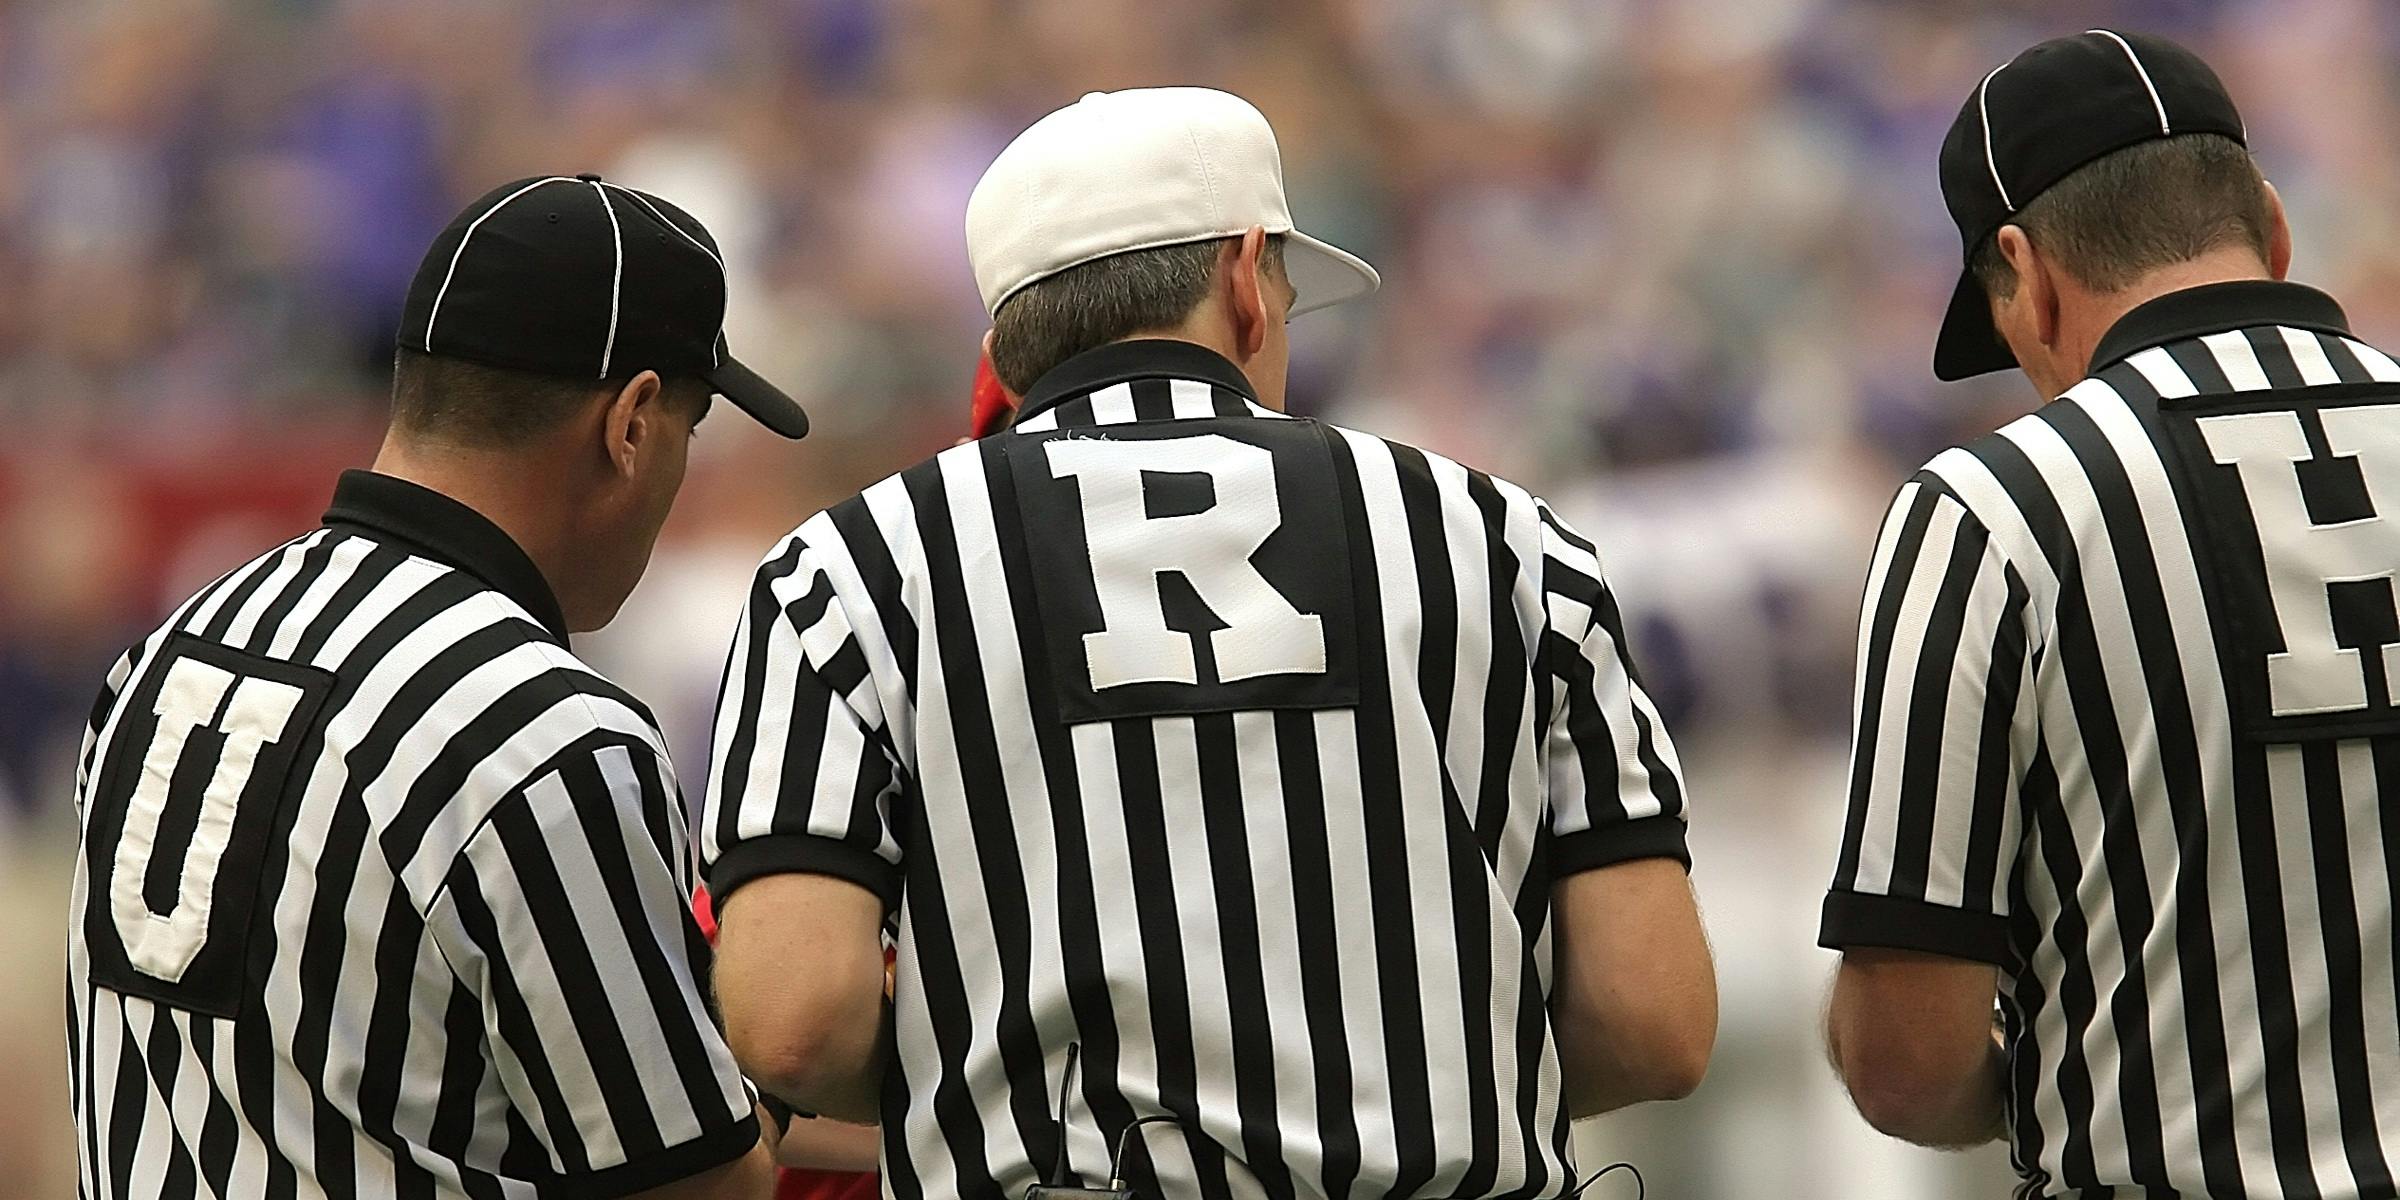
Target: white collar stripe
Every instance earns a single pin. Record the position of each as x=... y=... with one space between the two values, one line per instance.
x=616 y=278
x=461 y=252
x=1984 y=110
x=2164 y=129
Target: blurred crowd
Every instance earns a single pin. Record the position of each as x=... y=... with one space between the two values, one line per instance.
x=1675 y=263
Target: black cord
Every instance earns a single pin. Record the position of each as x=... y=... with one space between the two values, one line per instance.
x=1116 y=1163
x=1066 y=1084
x=1640 y=1189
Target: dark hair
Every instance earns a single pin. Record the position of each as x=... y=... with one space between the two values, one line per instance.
x=471 y=404
x=1105 y=300
x=2128 y=213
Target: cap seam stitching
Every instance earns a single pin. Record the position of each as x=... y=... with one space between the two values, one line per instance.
x=716 y=351
x=616 y=279
x=435 y=314
x=1983 y=109
x=2165 y=128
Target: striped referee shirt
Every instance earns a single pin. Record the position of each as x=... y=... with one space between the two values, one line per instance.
x=382 y=892
x=1240 y=750
x=2127 y=729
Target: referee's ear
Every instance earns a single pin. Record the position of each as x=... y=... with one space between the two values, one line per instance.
x=2033 y=307
x=634 y=417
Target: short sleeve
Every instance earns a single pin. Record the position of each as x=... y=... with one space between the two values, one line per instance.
x=566 y=918
x=805 y=777
x=1615 y=786
x=1944 y=725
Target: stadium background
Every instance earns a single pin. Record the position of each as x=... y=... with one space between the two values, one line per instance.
x=1676 y=263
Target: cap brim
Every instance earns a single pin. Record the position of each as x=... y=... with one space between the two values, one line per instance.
x=1969 y=345
x=754 y=395
x=1324 y=274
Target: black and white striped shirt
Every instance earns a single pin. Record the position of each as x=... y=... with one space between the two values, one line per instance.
x=2126 y=729
x=1241 y=750
x=383 y=893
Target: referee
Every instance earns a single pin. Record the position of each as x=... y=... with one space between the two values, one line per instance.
x=381 y=890
x=2128 y=756
x=1259 y=807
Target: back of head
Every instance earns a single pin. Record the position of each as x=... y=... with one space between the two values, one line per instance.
x=1106 y=300
x=2136 y=211
x=458 y=404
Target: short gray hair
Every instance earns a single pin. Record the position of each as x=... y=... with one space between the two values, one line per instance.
x=1105 y=300
x=2150 y=205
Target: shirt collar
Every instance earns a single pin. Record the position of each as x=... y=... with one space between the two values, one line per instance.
x=2218 y=308
x=1121 y=362
x=444 y=530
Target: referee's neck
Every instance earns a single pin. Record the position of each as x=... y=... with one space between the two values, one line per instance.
x=530 y=492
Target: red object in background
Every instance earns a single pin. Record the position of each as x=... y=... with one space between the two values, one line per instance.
x=794 y=1183
x=993 y=405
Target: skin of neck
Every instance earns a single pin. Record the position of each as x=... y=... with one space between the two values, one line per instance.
x=2053 y=322
x=2086 y=316
x=523 y=490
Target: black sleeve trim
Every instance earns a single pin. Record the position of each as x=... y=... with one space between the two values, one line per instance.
x=802 y=854
x=1646 y=837
x=1852 y=919
x=701 y=1154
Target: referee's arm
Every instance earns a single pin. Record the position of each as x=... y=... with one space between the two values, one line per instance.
x=565 y=919
x=1919 y=903
x=1634 y=996
x=797 y=845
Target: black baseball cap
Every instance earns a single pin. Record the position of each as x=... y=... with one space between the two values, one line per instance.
x=578 y=277
x=2032 y=122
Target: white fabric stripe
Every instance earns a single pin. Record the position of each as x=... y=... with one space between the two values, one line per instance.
x=1356 y=961
x=1192 y=399
x=832 y=556
x=340 y=566
x=287 y=565
x=616 y=276
x=443 y=292
x=2166 y=376
x=1983 y=110
x=1420 y=802
x=2164 y=129
x=2308 y=353
x=1041 y=422
x=2379 y=366
x=2238 y=361
x=1963 y=713
x=1113 y=405
x=1192 y=880
x=2372 y=896
x=1923 y=581
x=1266 y=827
x=2306 y=949
x=189 y=1098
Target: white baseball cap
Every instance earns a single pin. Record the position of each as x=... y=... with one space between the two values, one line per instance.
x=1135 y=170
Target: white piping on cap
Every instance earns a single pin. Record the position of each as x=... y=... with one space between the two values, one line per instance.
x=461 y=252
x=616 y=278
x=1984 y=110
x=716 y=359
x=2164 y=130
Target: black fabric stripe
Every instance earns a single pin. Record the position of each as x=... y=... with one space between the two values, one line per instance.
x=515 y=1025
x=1086 y=969
x=235 y=600
x=373 y=569
x=2275 y=358
x=984 y=782
x=583 y=988
x=439 y=781
x=1153 y=399
x=1995 y=765
x=1924 y=744
x=463 y=1067
x=760 y=618
x=2345 y=360
x=2345 y=946
x=1388 y=866
x=2200 y=366
x=164 y=1058
x=1158 y=909
x=2085 y=665
x=2070 y=931
x=880 y=575
x=949 y=1010
x=1883 y=622
x=391 y=1017
x=2271 y=971
x=1508 y=676
x=616 y=858
x=220 y=1132
x=314 y=562
x=1235 y=905
x=2181 y=784
x=1319 y=935
x=125 y=1115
